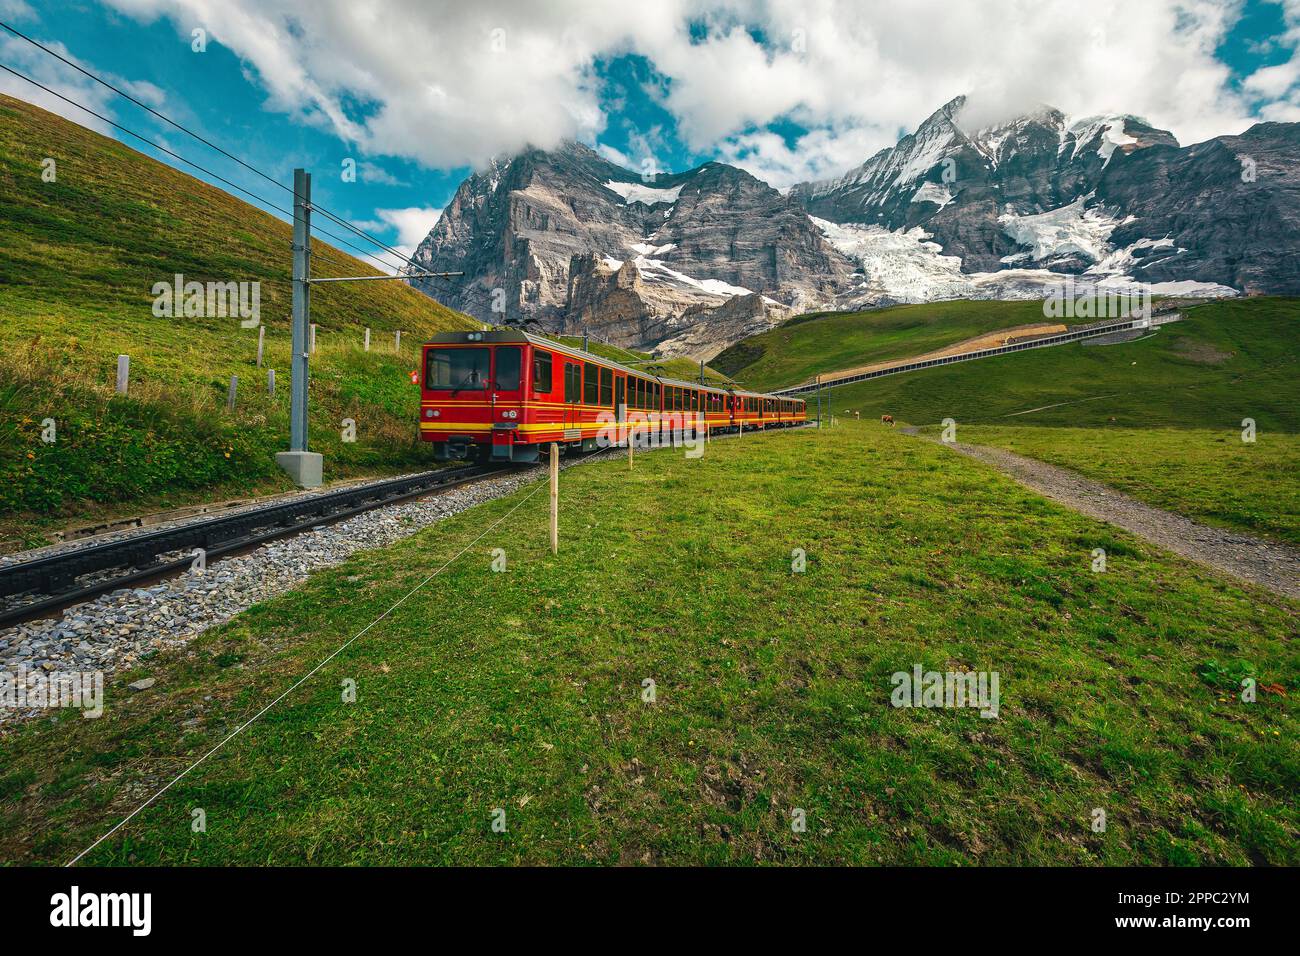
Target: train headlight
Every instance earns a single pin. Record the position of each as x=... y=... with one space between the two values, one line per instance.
x=432 y=413
x=510 y=413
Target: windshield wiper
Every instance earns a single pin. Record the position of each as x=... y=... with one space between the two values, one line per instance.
x=468 y=378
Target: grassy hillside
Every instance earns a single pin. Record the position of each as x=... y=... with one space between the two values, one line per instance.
x=1227 y=361
x=524 y=690
x=78 y=260
x=827 y=342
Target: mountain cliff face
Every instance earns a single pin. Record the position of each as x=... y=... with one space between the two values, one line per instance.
x=1226 y=210
x=568 y=241
x=690 y=262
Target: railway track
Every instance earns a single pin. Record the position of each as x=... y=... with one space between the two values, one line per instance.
x=67 y=578
x=70 y=577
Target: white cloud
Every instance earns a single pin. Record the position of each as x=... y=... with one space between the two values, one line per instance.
x=1279 y=85
x=412 y=224
x=819 y=154
x=449 y=83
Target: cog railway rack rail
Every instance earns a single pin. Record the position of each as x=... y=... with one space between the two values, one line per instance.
x=55 y=580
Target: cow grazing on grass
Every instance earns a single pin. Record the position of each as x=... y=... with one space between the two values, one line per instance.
x=887 y=420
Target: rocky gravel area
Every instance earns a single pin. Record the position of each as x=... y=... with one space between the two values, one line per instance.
x=1268 y=564
x=119 y=630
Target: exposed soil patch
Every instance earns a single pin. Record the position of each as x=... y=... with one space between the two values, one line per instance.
x=1201 y=352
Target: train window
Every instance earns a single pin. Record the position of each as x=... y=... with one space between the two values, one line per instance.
x=640 y=392
x=508 y=361
x=457 y=369
x=572 y=382
x=591 y=384
x=606 y=386
x=541 y=371
x=695 y=401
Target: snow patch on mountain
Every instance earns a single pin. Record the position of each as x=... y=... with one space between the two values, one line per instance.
x=1070 y=230
x=657 y=271
x=1125 y=258
x=635 y=192
x=646 y=248
x=1110 y=128
x=901 y=265
x=905 y=266
x=936 y=193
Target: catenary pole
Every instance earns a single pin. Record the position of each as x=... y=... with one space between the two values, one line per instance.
x=301 y=308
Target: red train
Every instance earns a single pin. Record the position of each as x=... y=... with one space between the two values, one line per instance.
x=503 y=395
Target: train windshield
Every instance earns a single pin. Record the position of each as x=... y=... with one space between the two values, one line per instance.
x=507 y=379
x=456 y=369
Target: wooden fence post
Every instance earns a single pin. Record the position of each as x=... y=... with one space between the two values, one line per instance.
x=397 y=341
x=555 y=498
x=270 y=382
x=311 y=339
x=123 y=373
x=230 y=395
x=261 y=340
x=367 y=340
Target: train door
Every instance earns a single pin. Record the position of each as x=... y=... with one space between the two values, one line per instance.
x=572 y=401
x=620 y=398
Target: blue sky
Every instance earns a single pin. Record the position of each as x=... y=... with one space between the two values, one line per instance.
x=418 y=93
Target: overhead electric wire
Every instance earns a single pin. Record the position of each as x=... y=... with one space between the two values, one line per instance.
x=144 y=139
x=166 y=119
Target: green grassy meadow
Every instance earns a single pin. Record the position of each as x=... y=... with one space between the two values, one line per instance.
x=524 y=691
x=831 y=341
x=79 y=257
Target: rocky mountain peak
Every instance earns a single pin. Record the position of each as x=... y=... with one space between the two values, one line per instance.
x=565 y=240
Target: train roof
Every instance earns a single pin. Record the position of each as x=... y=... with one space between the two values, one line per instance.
x=519 y=337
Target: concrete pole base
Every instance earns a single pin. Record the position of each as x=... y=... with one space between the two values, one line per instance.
x=304 y=467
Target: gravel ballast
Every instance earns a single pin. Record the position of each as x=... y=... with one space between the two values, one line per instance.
x=119 y=630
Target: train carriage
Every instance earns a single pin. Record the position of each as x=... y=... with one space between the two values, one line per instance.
x=503 y=395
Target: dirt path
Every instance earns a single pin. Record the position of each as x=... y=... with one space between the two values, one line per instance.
x=1270 y=565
